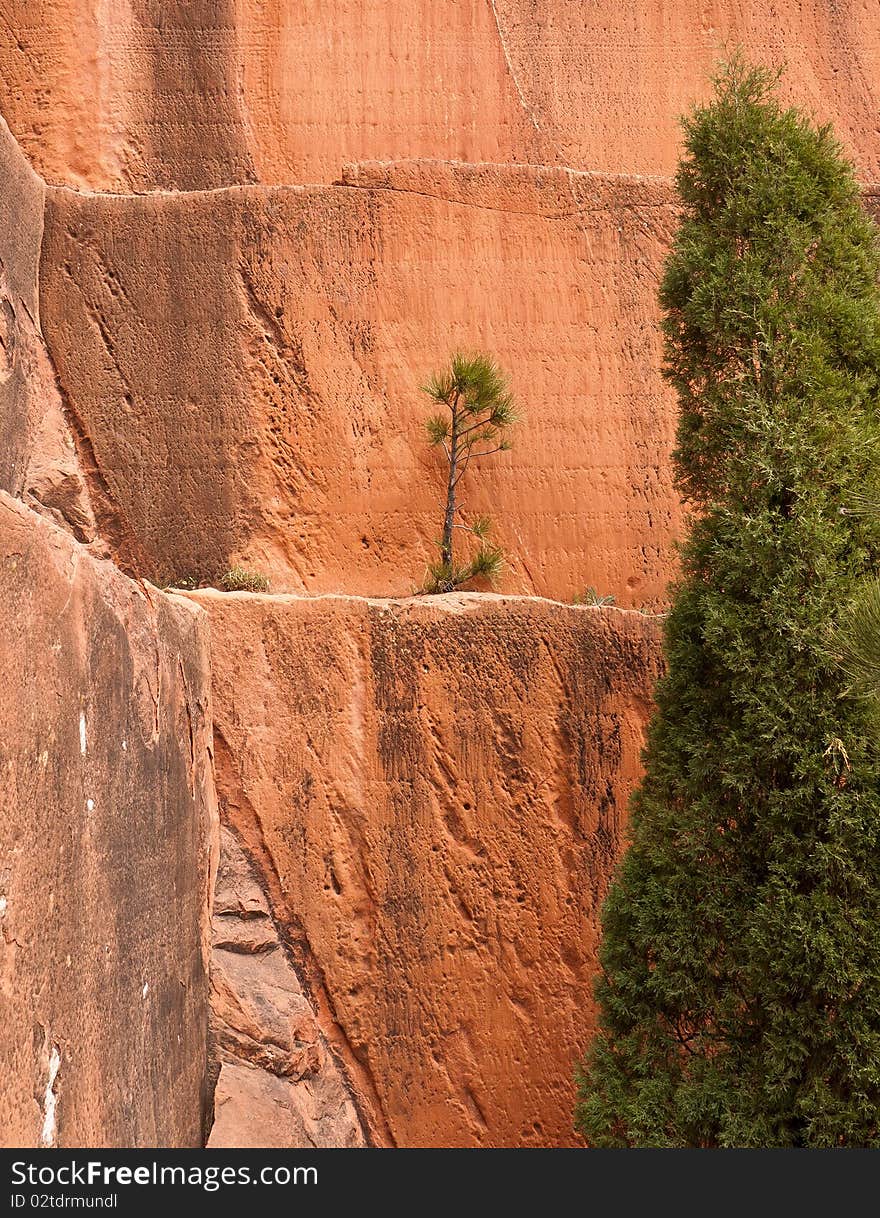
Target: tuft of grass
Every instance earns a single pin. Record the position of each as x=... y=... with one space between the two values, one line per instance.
x=487 y=563
x=237 y=579
x=856 y=640
x=592 y=597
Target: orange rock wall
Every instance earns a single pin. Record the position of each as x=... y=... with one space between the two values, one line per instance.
x=247 y=366
x=125 y=94
x=435 y=793
x=139 y=94
x=275 y=1081
x=107 y=836
x=21 y=404
x=107 y=806
x=210 y=361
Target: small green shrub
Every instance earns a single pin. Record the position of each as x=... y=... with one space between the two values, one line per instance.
x=592 y=597
x=237 y=579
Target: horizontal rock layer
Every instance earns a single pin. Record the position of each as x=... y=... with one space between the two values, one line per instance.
x=433 y=793
x=246 y=365
x=107 y=834
x=139 y=94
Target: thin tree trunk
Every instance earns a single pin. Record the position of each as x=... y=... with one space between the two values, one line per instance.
x=449 y=518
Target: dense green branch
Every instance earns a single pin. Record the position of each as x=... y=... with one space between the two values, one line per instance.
x=740 y=989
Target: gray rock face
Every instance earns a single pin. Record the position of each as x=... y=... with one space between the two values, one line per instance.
x=278 y=1085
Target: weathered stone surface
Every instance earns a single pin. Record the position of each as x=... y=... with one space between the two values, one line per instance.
x=20 y=389
x=107 y=834
x=607 y=82
x=278 y=1084
x=127 y=94
x=254 y=1108
x=246 y=364
x=198 y=93
x=38 y=459
x=434 y=792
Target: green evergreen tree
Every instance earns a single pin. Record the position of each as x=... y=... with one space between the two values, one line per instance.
x=740 y=988
x=476 y=413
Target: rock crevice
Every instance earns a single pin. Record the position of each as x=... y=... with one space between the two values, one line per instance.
x=276 y=1081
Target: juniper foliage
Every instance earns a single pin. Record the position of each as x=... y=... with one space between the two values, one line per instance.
x=739 y=992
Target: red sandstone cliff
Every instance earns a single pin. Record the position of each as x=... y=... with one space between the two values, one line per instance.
x=204 y=93
x=435 y=793
x=235 y=238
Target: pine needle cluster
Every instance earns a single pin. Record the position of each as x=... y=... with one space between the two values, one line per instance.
x=476 y=412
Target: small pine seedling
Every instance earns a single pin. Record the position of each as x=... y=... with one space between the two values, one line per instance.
x=476 y=412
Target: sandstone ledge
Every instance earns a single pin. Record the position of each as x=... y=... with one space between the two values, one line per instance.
x=246 y=366
x=434 y=792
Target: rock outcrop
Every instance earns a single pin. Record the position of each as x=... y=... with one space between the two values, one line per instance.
x=38 y=457
x=434 y=793
x=276 y=1083
x=107 y=838
x=265 y=223
x=181 y=94
x=246 y=364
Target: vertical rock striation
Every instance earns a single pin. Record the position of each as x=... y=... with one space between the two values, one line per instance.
x=433 y=795
x=107 y=842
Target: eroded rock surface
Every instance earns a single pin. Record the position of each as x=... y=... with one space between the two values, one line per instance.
x=278 y=1085
x=107 y=835
x=38 y=456
x=247 y=364
x=181 y=94
x=427 y=798
x=434 y=794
